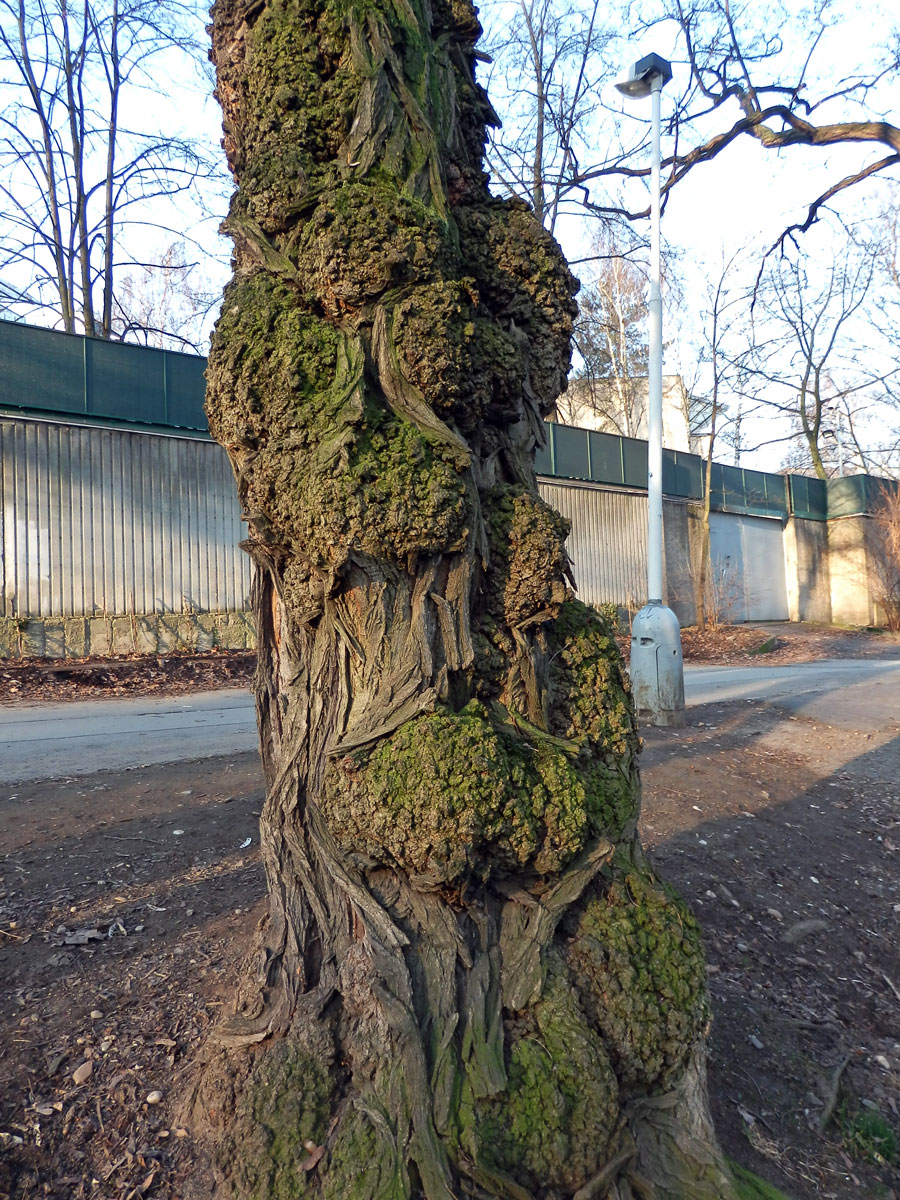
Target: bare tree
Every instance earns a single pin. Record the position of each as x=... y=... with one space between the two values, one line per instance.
x=471 y=981
x=724 y=322
x=550 y=69
x=884 y=557
x=169 y=305
x=87 y=180
x=756 y=74
x=811 y=363
x=611 y=340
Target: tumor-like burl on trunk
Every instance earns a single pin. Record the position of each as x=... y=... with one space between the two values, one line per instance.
x=469 y=982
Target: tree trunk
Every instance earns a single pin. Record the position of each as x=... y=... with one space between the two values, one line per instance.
x=470 y=981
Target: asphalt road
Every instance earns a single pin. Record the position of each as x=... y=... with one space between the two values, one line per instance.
x=854 y=693
x=41 y=741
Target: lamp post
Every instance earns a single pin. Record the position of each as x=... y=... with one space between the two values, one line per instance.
x=657 y=668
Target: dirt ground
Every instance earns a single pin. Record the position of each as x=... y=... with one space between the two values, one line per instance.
x=45 y=680
x=127 y=899
x=52 y=679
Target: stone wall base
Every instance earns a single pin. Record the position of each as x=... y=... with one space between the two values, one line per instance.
x=105 y=637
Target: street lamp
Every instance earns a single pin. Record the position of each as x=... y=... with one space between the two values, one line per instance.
x=657 y=669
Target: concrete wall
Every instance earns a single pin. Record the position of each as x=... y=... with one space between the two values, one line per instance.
x=850 y=549
x=680 y=553
x=807 y=570
x=148 y=633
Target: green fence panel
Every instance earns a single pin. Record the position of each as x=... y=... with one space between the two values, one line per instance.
x=47 y=371
x=847 y=496
x=41 y=369
x=570 y=452
x=809 y=497
x=185 y=390
x=854 y=495
x=634 y=463
x=606 y=458
x=682 y=474
x=125 y=382
x=543 y=456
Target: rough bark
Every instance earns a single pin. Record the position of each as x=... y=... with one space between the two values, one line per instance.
x=469 y=982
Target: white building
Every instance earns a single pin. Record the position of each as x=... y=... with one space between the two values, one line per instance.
x=617 y=405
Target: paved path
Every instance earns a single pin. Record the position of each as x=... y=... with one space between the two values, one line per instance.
x=38 y=741
x=855 y=693
x=43 y=740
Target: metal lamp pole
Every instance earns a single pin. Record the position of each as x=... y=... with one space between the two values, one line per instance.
x=657 y=668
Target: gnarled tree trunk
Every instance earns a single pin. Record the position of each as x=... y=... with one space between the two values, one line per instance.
x=470 y=981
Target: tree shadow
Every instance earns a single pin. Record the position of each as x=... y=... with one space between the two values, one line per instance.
x=778 y=832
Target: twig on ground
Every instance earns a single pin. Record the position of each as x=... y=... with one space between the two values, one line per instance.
x=834 y=1087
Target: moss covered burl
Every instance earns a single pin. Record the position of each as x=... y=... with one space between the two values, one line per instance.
x=469 y=983
x=639 y=971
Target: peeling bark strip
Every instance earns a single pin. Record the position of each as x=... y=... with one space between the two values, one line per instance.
x=469 y=983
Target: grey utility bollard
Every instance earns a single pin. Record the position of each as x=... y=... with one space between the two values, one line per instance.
x=657 y=670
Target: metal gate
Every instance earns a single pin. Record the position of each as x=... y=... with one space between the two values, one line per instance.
x=747 y=567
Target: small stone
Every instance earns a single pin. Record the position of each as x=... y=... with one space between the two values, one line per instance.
x=96 y=1014
x=882 y=1062
x=743 y=948
x=83 y=1073
x=755 y=1042
x=180 y=1133
x=105 y=1044
x=154 y=1097
x=775 y=914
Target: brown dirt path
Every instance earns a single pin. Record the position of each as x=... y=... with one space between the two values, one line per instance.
x=133 y=896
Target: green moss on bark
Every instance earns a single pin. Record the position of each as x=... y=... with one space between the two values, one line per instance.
x=590 y=693
x=528 y=558
x=638 y=966
x=465 y=365
x=366 y=238
x=519 y=271
x=552 y=1126
x=285 y=1107
x=451 y=795
x=363 y=1163
x=325 y=471
x=298 y=96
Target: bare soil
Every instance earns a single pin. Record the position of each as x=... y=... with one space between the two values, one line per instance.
x=37 y=680
x=782 y=642
x=128 y=899
x=51 y=679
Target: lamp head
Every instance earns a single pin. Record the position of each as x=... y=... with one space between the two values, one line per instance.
x=638 y=80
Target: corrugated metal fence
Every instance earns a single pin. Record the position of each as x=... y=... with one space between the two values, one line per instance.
x=107 y=521
x=608 y=542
